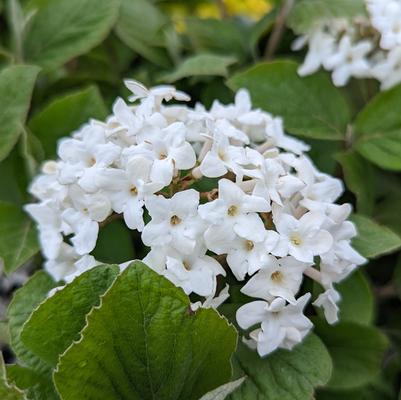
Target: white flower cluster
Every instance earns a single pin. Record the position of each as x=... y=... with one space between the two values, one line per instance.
x=362 y=48
x=269 y=218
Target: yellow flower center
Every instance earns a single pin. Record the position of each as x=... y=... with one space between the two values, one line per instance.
x=249 y=245
x=296 y=240
x=276 y=276
x=232 y=210
x=175 y=220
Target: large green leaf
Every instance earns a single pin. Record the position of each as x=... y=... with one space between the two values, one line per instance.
x=356 y=351
x=143 y=342
x=18 y=237
x=374 y=240
x=57 y=322
x=141 y=26
x=307 y=13
x=7 y=391
x=66 y=114
x=37 y=386
x=201 y=65
x=25 y=300
x=359 y=177
x=16 y=85
x=64 y=29
x=378 y=130
x=284 y=375
x=310 y=106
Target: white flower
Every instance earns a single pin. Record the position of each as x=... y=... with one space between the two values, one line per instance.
x=127 y=189
x=233 y=213
x=246 y=256
x=195 y=272
x=276 y=278
x=282 y=326
x=47 y=215
x=83 y=157
x=83 y=218
x=328 y=301
x=388 y=70
x=321 y=46
x=221 y=158
x=349 y=60
x=169 y=152
x=175 y=221
x=302 y=238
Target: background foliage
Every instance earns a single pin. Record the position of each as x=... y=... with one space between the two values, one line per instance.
x=61 y=63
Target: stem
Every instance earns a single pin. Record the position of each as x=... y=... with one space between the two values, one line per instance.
x=278 y=30
x=386 y=292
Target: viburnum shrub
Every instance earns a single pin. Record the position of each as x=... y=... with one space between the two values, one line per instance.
x=268 y=216
x=230 y=230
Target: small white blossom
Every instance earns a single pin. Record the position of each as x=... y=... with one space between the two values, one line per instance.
x=282 y=326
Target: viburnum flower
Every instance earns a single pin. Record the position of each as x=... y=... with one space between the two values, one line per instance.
x=282 y=326
x=220 y=195
x=276 y=278
x=302 y=238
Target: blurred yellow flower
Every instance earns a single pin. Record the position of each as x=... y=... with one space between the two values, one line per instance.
x=253 y=9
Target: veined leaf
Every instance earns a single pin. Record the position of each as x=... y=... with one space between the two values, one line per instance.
x=310 y=106
x=16 y=85
x=143 y=342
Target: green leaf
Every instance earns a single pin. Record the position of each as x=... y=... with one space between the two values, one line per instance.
x=284 y=375
x=143 y=342
x=16 y=85
x=64 y=29
x=307 y=13
x=383 y=149
x=357 y=302
x=310 y=106
x=387 y=212
x=359 y=177
x=141 y=27
x=374 y=240
x=25 y=300
x=18 y=237
x=35 y=385
x=57 y=322
x=378 y=130
x=226 y=36
x=201 y=65
x=66 y=114
x=223 y=391
x=14 y=180
x=7 y=391
x=356 y=351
